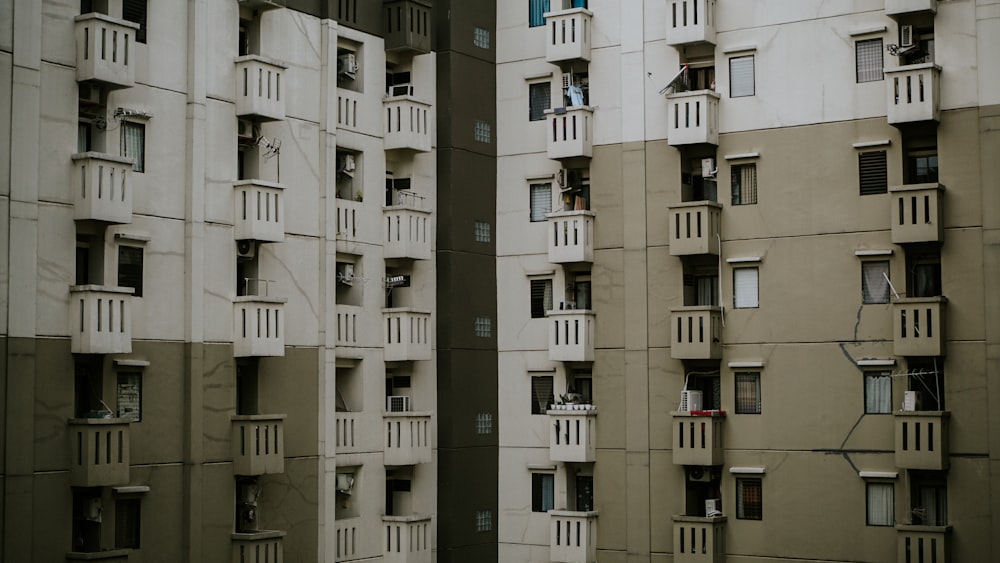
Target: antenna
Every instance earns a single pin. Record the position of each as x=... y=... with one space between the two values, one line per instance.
x=896 y=294
x=671 y=84
x=271 y=146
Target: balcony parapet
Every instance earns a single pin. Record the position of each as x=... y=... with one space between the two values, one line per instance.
x=407 y=124
x=571 y=236
x=258 y=326
x=699 y=539
x=407 y=334
x=105 y=50
x=696 y=333
x=105 y=556
x=913 y=93
x=570 y=132
x=259 y=87
x=261 y=546
x=407 y=232
x=690 y=22
x=571 y=335
x=698 y=437
x=568 y=35
x=918 y=325
x=573 y=434
x=923 y=544
x=99 y=452
x=572 y=536
x=406 y=539
x=101 y=189
x=905 y=7
x=922 y=439
x=695 y=227
x=407 y=438
x=408 y=25
x=693 y=118
x=258 y=444
x=101 y=319
x=260 y=211
x=917 y=212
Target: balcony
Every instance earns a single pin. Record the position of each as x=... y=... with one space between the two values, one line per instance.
x=99 y=452
x=258 y=444
x=918 y=326
x=407 y=124
x=695 y=228
x=101 y=190
x=571 y=132
x=406 y=539
x=258 y=326
x=407 y=231
x=922 y=439
x=260 y=211
x=349 y=215
x=916 y=213
x=571 y=335
x=699 y=540
x=348 y=428
x=696 y=333
x=101 y=319
x=262 y=546
x=690 y=22
x=407 y=438
x=407 y=334
x=258 y=88
x=571 y=236
x=408 y=26
x=698 y=438
x=568 y=35
x=913 y=93
x=572 y=536
x=106 y=555
x=905 y=7
x=923 y=544
x=572 y=433
x=693 y=118
x=105 y=50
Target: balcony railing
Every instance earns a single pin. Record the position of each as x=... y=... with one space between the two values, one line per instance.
x=699 y=540
x=349 y=219
x=101 y=319
x=407 y=124
x=260 y=211
x=347 y=428
x=690 y=22
x=263 y=546
x=903 y=7
x=258 y=444
x=918 y=326
x=572 y=434
x=695 y=228
x=923 y=544
x=571 y=132
x=105 y=50
x=922 y=439
x=571 y=236
x=406 y=539
x=99 y=452
x=408 y=25
x=698 y=439
x=693 y=118
x=916 y=213
x=259 y=88
x=347 y=109
x=258 y=326
x=104 y=556
x=572 y=536
x=913 y=93
x=407 y=334
x=407 y=232
x=568 y=35
x=349 y=540
x=571 y=335
x=696 y=333
x=101 y=190
x=407 y=438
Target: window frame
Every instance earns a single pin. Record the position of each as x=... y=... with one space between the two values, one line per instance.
x=482 y=132
x=885 y=406
x=541 y=303
x=484 y=521
x=873 y=172
x=483 y=326
x=122 y=379
x=751 y=378
x=872 y=486
x=737 y=304
x=867 y=66
x=536 y=12
x=482 y=231
x=131 y=270
x=138 y=145
x=128 y=522
x=737 y=189
x=747 y=90
x=867 y=294
x=544 y=96
x=481 y=37
x=539 y=482
x=745 y=488
x=538 y=214
x=536 y=407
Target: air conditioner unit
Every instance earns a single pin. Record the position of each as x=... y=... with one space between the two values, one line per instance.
x=690 y=401
x=397 y=403
x=699 y=475
x=93 y=510
x=906 y=36
x=345 y=274
x=345 y=483
x=708 y=168
x=569 y=178
x=347 y=65
x=245 y=129
x=90 y=94
x=347 y=164
x=401 y=90
x=245 y=249
x=912 y=401
x=713 y=507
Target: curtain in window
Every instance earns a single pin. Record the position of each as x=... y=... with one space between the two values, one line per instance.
x=541 y=394
x=707 y=289
x=536 y=11
x=749 y=499
x=741 y=81
x=541 y=201
x=880 y=501
x=548 y=492
x=868 y=60
x=747 y=393
x=874 y=282
x=934 y=503
x=744 y=184
x=878 y=393
x=745 y=288
x=133 y=144
x=541 y=298
x=579 y=3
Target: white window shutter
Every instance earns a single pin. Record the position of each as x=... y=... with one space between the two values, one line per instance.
x=745 y=288
x=741 y=79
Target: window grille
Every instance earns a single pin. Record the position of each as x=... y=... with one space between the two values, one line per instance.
x=539 y=100
x=130 y=268
x=482 y=231
x=749 y=499
x=744 y=184
x=484 y=520
x=484 y=423
x=868 y=60
x=481 y=38
x=483 y=132
x=484 y=327
x=747 y=393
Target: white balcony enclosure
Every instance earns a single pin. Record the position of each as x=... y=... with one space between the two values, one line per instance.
x=258 y=326
x=571 y=236
x=696 y=333
x=407 y=438
x=407 y=334
x=913 y=93
x=695 y=228
x=568 y=35
x=260 y=211
x=258 y=444
x=259 y=84
x=916 y=213
x=923 y=544
x=571 y=335
x=693 y=118
x=406 y=539
x=572 y=536
x=407 y=232
x=690 y=22
x=105 y=50
x=922 y=439
x=699 y=539
x=570 y=132
x=100 y=319
x=573 y=434
x=698 y=439
x=918 y=326
x=407 y=124
x=101 y=190
x=904 y=7
x=262 y=546
x=99 y=452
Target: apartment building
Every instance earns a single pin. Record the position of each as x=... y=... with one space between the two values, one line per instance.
x=747 y=280
x=219 y=281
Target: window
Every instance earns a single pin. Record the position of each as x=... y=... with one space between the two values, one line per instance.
x=929 y=498
x=926 y=377
x=541 y=393
x=924 y=273
x=483 y=132
x=922 y=166
x=536 y=12
x=741 y=78
x=749 y=499
x=744 y=184
x=745 y=288
x=135 y=12
x=130 y=268
x=541 y=297
x=541 y=201
x=879 y=504
x=868 y=60
x=484 y=327
x=133 y=144
x=539 y=100
x=878 y=393
x=128 y=520
x=130 y=396
x=875 y=281
x=872 y=173
x=481 y=37
x=747 y=393
x=482 y=232
x=484 y=520
x=542 y=492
